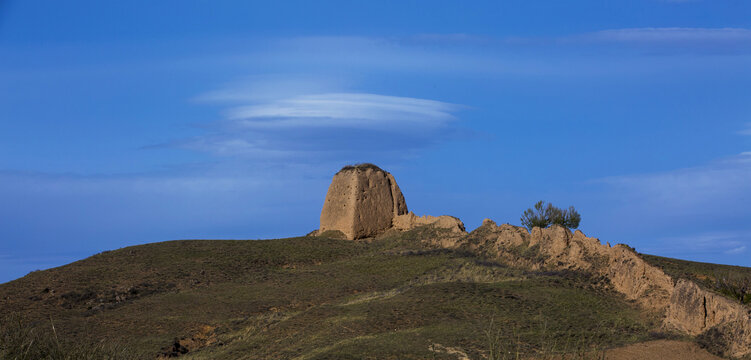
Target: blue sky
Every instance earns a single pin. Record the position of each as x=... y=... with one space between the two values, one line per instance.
x=132 y=122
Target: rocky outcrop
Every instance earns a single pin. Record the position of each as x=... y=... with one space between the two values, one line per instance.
x=695 y=311
x=362 y=201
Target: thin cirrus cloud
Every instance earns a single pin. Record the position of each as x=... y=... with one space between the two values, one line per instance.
x=671 y=39
x=713 y=195
x=746 y=131
x=327 y=126
x=718 y=243
x=698 y=38
x=673 y=34
x=344 y=57
x=723 y=183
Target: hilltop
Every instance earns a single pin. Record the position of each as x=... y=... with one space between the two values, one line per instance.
x=394 y=296
x=377 y=281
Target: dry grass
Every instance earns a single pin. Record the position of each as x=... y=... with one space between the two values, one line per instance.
x=20 y=340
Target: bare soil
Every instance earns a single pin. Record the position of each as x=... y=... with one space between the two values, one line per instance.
x=660 y=349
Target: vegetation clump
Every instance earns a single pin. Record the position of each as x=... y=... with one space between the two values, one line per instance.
x=545 y=214
x=360 y=166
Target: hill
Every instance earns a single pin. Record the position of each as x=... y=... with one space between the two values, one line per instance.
x=399 y=295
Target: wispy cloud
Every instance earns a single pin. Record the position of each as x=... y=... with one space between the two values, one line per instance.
x=717 y=243
x=672 y=34
x=451 y=38
x=58 y=214
x=735 y=251
x=664 y=40
x=720 y=187
x=262 y=88
x=746 y=130
x=427 y=53
x=688 y=36
x=344 y=125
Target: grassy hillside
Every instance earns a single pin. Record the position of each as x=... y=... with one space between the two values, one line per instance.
x=728 y=280
x=318 y=298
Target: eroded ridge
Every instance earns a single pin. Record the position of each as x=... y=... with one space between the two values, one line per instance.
x=687 y=307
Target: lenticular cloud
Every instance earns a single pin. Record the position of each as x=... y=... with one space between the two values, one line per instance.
x=344 y=110
x=330 y=125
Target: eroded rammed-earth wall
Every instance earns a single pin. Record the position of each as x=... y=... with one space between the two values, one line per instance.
x=364 y=201
x=687 y=307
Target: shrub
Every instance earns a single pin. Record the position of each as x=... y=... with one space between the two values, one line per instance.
x=544 y=215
